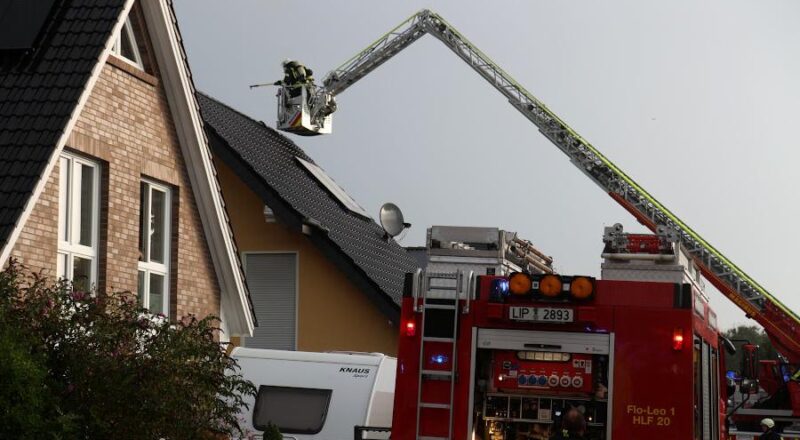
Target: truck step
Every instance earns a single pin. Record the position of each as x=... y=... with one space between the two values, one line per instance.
x=434 y=405
x=439 y=373
x=439 y=307
x=432 y=339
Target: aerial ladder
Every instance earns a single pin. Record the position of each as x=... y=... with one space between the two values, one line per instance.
x=311 y=114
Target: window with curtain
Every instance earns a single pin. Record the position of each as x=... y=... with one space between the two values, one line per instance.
x=154 y=246
x=78 y=218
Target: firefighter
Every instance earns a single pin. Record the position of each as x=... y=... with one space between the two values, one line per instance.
x=770 y=433
x=573 y=426
x=295 y=76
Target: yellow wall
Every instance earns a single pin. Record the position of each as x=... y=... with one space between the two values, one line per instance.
x=332 y=313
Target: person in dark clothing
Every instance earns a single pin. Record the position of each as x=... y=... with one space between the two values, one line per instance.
x=573 y=426
x=770 y=432
x=295 y=76
x=294 y=73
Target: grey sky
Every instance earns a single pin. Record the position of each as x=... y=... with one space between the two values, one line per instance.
x=697 y=101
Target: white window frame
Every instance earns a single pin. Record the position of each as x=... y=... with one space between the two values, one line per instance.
x=150 y=267
x=127 y=28
x=69 y=245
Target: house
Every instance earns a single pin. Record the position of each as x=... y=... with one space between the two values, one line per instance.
x=322 y=274
x=106 y=176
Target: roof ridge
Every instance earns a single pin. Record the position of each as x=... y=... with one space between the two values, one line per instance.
x=240 y=113
x=47 y=89
x=261 y=125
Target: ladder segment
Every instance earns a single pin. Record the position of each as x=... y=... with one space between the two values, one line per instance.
x=780 y=323
x=430 y=422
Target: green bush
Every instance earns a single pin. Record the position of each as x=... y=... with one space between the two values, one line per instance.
x=94 y=365
x=26 y=407
x=272 y=432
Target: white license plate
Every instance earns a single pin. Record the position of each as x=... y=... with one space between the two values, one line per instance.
x=541 y=314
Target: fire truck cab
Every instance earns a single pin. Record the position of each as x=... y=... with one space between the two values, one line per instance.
x=507 y=357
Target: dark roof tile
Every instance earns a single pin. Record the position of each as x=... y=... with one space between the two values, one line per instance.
x=271 y=158
x=53 y=77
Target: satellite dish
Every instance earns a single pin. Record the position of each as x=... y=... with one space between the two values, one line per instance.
x=392 y=220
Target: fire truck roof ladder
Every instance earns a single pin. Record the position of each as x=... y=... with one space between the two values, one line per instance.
x=453 y=286
x=782 y=325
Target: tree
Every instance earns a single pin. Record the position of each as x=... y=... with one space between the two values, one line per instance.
x=755 y=335
x=95 y=365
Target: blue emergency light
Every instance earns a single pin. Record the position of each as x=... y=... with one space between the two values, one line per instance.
x=499 y=288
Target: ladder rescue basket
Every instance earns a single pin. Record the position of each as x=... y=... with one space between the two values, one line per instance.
x=294 y=110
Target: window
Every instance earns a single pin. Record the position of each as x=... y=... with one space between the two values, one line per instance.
x=154 y=247
x=78 y=213
x=272 y=281
x=126 y=47
x=334 y=188
x=293 y=410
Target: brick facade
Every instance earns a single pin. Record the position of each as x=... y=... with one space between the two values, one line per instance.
x=127 y=127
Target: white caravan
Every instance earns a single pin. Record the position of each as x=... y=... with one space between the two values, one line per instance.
x=317 y=395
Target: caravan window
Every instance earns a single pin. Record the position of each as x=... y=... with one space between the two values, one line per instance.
x=292 y=410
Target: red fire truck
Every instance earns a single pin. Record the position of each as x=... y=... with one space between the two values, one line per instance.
x=625 y=320
x=511 y=355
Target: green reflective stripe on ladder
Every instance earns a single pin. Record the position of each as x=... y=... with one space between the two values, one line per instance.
x=619 y=173
x=378 y=40
x=661 y=209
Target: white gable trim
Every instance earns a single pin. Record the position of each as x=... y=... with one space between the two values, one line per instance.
x=161 y=23
x=73 y=119
x=171 y=58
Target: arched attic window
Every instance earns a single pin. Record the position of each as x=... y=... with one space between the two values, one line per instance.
x=126 y=46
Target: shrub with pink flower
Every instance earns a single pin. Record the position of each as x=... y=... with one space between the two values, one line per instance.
x=95 y=365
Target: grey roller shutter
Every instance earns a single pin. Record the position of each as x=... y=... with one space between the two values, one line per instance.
x=272 y=279
x=502 y=339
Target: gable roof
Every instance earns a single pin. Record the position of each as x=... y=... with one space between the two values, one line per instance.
x=42 y=93
x=40 y=90
x=267 y=162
